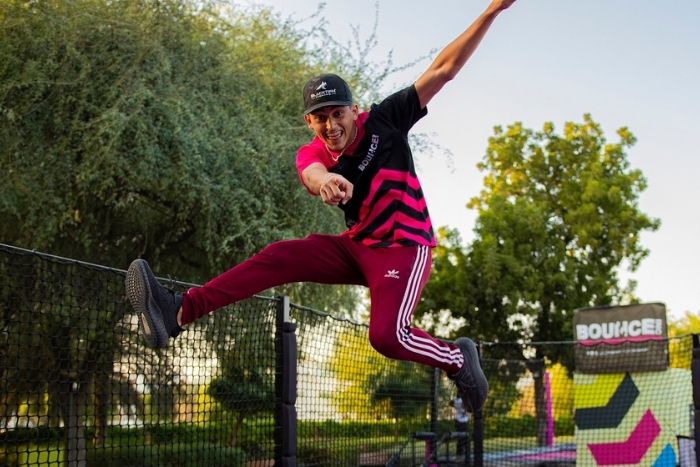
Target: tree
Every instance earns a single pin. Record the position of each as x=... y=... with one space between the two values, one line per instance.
x=139 y=128
x=406 y=389
x=244 y=345
x=558 y=217
x=58 y=339
x=680 y=342
x=449 y=288
x=154 y=129
x=244 y=392
x=562 y=392
x=688 y=324
x=353 y=363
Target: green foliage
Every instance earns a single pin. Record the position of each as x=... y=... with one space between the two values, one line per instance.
x=565 y=426
x=244 y=345
x=154 y=129
x=56 y=343
x=557 y=218
x=510 y=426
x=353 y=363
x=503 y=391
x=168 y=454
x=452 y=287
x=42 y=434
x=243 y=391
x=689 y=323
x=405 y=386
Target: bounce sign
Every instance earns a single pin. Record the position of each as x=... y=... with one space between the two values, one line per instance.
x=621 y=338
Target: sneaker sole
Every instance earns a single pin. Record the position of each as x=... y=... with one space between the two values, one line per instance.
x=471 y=358
x=138 y=291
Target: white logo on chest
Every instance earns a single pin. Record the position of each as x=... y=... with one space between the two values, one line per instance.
x=371 y=152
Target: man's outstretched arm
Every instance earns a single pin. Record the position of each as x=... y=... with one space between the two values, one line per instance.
x=453 y=57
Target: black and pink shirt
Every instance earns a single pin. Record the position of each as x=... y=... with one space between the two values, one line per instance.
x=387 y=208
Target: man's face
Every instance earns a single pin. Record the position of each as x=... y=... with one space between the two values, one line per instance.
x=335 y=125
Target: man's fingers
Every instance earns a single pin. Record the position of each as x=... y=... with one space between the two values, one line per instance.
x=348 y=193
x=332 y=195
x=335 y=192
x=336 y=189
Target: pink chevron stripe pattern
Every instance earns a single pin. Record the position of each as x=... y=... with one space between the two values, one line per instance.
x=392 y=196
x=385 y=175
x=393 y=175
x=393 y=214
x=393 y=205
x=633 y=449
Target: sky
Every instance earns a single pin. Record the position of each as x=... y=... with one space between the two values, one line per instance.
x=628 y=63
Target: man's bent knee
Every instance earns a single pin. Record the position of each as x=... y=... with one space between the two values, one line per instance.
x=386 y=343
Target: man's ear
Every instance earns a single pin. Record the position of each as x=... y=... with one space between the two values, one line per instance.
x=355 y=111
x=307 y=119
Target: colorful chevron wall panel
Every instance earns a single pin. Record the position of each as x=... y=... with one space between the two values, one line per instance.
x=631 y=418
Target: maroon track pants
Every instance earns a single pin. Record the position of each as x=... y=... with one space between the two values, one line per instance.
x=395 y=277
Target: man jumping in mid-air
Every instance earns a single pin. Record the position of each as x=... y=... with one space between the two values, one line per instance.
x=362 y=163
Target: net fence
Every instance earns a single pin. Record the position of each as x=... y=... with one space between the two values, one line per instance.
x=79 y=387
x=354 y=406
x=541 y=410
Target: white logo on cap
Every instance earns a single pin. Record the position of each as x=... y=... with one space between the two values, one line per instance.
x=322 y=85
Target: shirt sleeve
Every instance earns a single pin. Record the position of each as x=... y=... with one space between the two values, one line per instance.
x=402 y=109
x=307 y=155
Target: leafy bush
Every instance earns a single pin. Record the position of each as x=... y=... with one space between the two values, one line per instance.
x=510 y=426
x=565 y=426
x=180 y=454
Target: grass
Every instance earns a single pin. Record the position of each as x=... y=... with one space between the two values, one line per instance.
x=46 y=455
x=185 y=444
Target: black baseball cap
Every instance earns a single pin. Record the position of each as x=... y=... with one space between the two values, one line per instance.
x=324 y=90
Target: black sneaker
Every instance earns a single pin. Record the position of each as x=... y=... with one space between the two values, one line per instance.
x=470 y=380
x=156 y=305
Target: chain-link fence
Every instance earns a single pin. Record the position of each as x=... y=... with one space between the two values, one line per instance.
x=262 y=382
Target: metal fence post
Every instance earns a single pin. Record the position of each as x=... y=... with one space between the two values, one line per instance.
x=478 y=419
x=285 y=387
x=434 y=398
x=434 y=381
x=695 y=372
